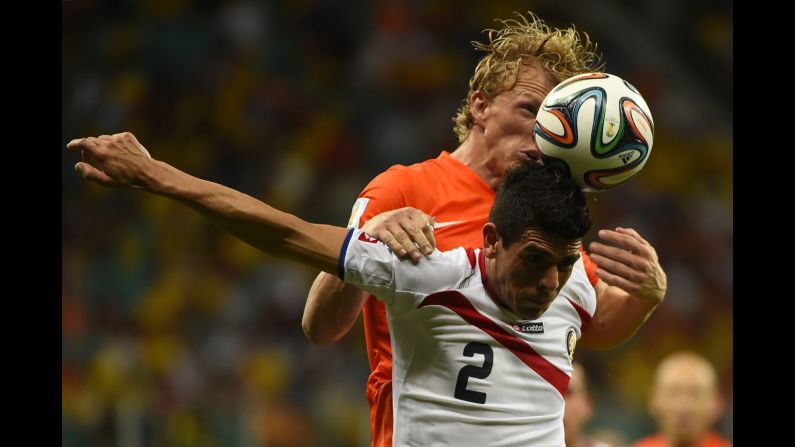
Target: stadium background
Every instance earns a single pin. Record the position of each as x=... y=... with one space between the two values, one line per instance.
x=175 y=334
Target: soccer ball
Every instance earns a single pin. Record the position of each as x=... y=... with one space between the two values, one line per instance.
x=597 y=128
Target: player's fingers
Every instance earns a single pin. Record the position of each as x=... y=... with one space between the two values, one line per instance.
x=425 y=223
x=618 y=268
x=89 y=172
x=88 y=143
x=621 y=255
x=633 y=233
x=90 y=152
x=617 y=281
x=625 y=241
x=75 y=143
x=405 y=241
x=416 y=231
x=391 y=242
x=427 y=229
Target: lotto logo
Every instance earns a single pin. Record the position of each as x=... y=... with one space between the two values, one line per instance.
x=528 y=327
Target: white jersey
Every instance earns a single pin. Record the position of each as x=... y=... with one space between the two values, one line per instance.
x=467 y=372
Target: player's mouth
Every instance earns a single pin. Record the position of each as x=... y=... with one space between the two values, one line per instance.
x=538 y=302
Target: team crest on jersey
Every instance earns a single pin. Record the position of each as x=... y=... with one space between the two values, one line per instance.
x=571 y=343
x=529 y=327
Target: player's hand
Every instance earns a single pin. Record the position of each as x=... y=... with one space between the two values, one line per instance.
x=400 y=229
x=113 y=160
x=629 y=263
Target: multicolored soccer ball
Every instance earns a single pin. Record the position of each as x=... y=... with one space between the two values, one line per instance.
x=597 y=128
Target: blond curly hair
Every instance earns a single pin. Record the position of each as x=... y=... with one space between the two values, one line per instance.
x=562 y=52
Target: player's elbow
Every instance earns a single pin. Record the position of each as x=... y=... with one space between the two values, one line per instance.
x=316 y=333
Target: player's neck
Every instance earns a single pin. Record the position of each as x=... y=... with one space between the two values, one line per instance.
x=491 y=285
x=470 y=154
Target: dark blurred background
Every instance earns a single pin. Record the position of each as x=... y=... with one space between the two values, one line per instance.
x=175 y=334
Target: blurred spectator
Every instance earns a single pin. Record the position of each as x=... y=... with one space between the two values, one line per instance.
x=578 y=411
x=685 y=402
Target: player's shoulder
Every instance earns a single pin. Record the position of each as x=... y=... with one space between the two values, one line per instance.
x=400 y=182
x=460 y=257
x=441 y=270
x=390 y=189
x=579 y=290
x=396 y=176
x=444 y=161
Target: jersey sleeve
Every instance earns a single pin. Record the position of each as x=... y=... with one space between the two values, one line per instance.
x=579 y=288
x=387 y=191
x=590 y=267
x=369 y=264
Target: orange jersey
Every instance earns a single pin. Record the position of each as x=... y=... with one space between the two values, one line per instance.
x=711 y=439
x=460 y=201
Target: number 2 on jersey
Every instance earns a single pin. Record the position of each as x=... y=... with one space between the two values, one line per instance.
x=478 y=372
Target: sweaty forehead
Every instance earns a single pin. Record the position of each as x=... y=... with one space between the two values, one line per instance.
x=559 y=246
x=533 y=79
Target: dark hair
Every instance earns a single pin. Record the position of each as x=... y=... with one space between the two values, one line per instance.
x=537 y=196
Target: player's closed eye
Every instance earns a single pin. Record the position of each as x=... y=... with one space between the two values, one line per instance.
x=535 y=259
x=533 y=110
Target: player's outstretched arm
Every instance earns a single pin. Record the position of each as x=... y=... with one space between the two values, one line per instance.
x=121 y=161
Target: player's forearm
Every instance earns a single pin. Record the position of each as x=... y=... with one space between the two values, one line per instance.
x=617 y=318
x=332 y=308
x=254 y=222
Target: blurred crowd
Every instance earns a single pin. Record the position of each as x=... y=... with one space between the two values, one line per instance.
x=175 y=334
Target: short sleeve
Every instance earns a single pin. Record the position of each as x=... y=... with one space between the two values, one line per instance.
x=371 y=266
x=387 y=191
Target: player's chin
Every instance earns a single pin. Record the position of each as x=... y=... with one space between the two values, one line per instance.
x=531 y=312
x=533 y=309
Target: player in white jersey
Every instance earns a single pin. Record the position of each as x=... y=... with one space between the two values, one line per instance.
x=480 y=336
x=468 y=371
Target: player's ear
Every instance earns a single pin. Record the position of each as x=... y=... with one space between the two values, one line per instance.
x=490 y=240
x=477 y=106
